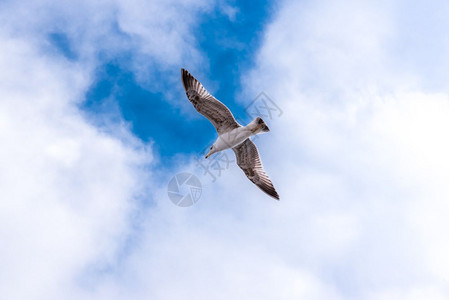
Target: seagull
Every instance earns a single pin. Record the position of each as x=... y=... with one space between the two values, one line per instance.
x=230 y=133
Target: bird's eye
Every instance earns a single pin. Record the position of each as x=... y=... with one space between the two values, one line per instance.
x=210 y=148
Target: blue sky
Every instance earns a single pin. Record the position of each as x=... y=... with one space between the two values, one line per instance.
x=227 y=43
x=94 y=123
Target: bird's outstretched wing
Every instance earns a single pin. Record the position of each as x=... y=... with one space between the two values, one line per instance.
x=206 y=104
x=249 y=161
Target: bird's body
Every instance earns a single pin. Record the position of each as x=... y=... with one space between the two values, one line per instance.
x=232 y=138
x=230 y=133
x=235 y=137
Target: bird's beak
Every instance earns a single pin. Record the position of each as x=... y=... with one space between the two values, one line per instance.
x=208 y=154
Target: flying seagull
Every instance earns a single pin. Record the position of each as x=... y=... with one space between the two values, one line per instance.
x=230 y=133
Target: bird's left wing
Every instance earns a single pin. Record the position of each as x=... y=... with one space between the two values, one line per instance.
x=249 y=161
x=206 y=104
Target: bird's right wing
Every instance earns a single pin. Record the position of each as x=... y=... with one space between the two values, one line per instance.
x=249 y=161
x=207 y=105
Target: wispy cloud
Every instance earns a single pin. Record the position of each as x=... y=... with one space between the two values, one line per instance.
x=369 y=133
x=67 y=189
x=71 y=191
x=358 y=157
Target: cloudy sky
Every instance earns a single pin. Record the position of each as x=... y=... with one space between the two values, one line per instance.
x=94 y=123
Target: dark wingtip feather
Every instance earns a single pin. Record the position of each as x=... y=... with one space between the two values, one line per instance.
x=269 y=190
x=274 y=194
x=188 y=80
x=185 y=78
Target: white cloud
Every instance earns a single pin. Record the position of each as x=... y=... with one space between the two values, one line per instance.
x=367 y=139
x=159 y=34
x=358 y=157
x=70 y=191
x=67 y=190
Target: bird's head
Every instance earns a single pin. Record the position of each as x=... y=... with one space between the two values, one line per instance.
x=258 y=125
